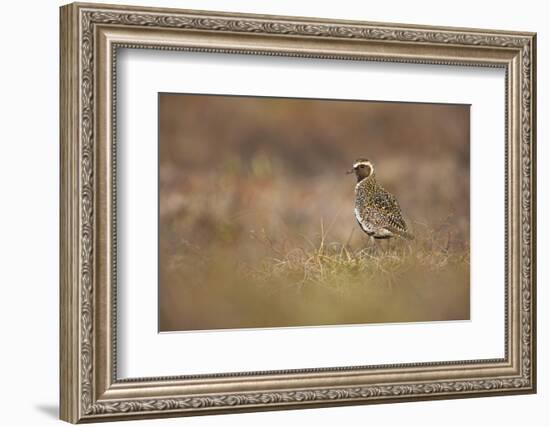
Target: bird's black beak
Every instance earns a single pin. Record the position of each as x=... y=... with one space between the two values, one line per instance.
x=350 y=171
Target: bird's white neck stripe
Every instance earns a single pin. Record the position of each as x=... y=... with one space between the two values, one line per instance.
x=362 y=163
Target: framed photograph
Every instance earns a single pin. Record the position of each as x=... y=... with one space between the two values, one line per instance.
x=265 y=212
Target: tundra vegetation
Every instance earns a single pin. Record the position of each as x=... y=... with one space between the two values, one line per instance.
x=256 y=224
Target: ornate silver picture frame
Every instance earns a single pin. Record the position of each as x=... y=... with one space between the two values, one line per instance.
x=91 y=35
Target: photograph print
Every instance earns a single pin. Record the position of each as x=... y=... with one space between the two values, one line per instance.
x=289 y=212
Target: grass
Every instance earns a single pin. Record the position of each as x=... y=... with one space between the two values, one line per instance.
x=332 y=263
x=322 y=282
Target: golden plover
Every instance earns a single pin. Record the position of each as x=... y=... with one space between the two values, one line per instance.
x=376 y=210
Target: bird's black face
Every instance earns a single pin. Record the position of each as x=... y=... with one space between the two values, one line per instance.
x=363 y=169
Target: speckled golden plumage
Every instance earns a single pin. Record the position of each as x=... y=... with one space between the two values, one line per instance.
x=376 y=210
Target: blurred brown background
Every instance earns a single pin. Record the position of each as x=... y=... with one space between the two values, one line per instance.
x=256 y=212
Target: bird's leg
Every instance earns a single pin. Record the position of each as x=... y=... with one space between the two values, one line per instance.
x=382 y=246
x=372 y=245
x=368 y=247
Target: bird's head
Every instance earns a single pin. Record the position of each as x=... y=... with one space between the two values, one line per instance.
x=363 y=168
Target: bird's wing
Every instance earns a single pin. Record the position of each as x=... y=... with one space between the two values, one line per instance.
x=386 y=204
